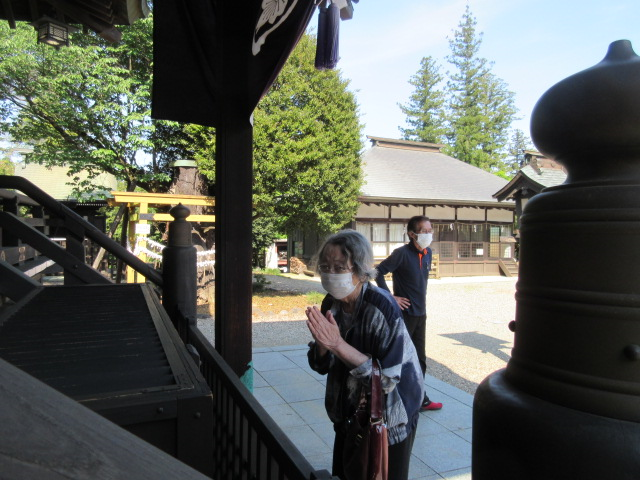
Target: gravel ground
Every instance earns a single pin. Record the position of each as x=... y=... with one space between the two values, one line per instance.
x=467 y=326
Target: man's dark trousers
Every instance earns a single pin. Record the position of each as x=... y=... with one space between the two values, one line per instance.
x=416 y=326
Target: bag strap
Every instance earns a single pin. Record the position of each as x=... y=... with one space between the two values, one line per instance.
x=377 y=395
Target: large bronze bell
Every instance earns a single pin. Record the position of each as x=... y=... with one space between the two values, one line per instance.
x=567 y=406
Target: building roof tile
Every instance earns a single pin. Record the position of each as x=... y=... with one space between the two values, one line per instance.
x=546 y=177
x=397 y=171
x=55 y=181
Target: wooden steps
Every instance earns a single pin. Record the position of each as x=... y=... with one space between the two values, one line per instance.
x=508 y=267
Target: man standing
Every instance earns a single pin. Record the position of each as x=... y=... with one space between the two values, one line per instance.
x=410 y=265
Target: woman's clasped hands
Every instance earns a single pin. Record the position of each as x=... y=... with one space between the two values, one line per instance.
x=324 y=329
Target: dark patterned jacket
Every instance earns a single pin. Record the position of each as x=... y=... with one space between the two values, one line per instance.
x=377 y=330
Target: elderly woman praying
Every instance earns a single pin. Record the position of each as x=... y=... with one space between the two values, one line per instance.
x=356 y=324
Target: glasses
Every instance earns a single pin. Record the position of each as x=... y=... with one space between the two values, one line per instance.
x=335 y=269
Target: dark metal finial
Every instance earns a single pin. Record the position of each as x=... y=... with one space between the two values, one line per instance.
x=179 y=212
x=620 y=50
x=180 y=228
x=592 y=116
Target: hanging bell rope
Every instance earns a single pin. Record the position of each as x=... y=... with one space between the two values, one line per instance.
x=329 y=15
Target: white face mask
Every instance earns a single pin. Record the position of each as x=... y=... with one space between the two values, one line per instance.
x=424 y=239
x=339 y=285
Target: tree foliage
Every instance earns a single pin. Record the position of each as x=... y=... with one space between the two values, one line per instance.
x=518 y=144
x=86 y=106
x=425 y=110
x=479 y=108
x=6 y=166
x=307 y=147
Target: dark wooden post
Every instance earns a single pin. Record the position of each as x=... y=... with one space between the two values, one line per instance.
x=568 y=403
x=74 y=235
x=10 y=205
x=38 y=212
x=212 y=68
x=233 y=293
x=179 y=268
x=234 y=191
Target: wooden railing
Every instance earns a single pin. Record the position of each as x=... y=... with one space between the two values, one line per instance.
x=248 y=444
x=71 y=258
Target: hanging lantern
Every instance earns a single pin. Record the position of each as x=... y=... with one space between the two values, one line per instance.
x=53 y=32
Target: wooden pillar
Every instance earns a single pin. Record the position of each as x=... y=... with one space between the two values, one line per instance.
x=234 y=179
x=74 y=235
x=134 y=231
x=10 y=205
x=131 y=231
x=38 y=212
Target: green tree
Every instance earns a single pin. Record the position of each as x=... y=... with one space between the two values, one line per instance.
x=6 y=166
x=480 y=108
x=264 y=233
x=518 y=144
x=425 y=110
x=86 y=106
x=306 y=149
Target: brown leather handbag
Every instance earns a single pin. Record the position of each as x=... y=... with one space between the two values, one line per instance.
x=366 y=449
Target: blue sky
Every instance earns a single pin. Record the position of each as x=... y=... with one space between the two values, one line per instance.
x=532 y=43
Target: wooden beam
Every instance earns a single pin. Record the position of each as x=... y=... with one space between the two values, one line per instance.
x=73 y=266
x=14 y=284
x=160 y=199
x=8 y=10
x=165 y=217
x=45 y=434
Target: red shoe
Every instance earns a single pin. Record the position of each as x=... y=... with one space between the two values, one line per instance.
x=428 y=405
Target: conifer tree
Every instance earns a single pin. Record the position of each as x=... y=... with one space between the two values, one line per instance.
x=518 y=144
x=481 y=108
x=472 y=113
x=425 y=110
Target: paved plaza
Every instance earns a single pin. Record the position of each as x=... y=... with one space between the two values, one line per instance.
x=293 y=395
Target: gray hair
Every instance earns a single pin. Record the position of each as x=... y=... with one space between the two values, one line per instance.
x=356 y=248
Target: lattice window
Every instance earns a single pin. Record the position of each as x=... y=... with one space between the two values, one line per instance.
x=471 y=250
x=499 y=248
x=444 y=249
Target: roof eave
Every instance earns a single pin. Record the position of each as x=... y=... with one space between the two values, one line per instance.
x=438 y=202
x=515 y=185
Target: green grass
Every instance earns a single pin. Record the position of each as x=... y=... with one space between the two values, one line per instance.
x=315 y=297
x=267 y=271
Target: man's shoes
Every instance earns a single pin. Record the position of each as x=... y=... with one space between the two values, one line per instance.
x=429 y=405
